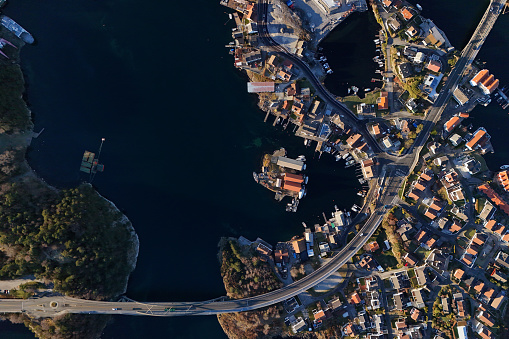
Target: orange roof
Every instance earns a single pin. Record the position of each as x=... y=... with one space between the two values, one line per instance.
x=480 y=76
x=477 y=240
x=407 y=14
x=387 y=3
x=429 y=214
x=488 y=81
x=506 y=237
x=425 y=177
x=383 y=103
x=452 y=123
x=373 y=246
x=472 y=251
x=479 y=286
x=494 y=197
x=489 y=225
x=477 y=136
x=455 y=227
x=412 y=195
x=434 y=66
x=493 y=86
x=353 y=139
x=292 y=186
x=376 y=129
x=355 y=298
x=500 y=230
x=294 y=177
x=415 y=314
x=459 y=273
x=320 y=315
x=419 y=186
x=464 y=115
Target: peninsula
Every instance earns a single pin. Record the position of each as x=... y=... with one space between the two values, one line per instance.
x=53 y=242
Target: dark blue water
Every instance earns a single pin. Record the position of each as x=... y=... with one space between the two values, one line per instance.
x=350 y=50
x=183 y=136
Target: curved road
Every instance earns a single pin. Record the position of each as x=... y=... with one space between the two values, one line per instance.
x=397 y=168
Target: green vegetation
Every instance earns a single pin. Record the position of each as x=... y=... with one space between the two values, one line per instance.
x=73 y=237
x=389 y=225
x=412 y=86
x=245 y=275
x=14 y=114
x=352 y=101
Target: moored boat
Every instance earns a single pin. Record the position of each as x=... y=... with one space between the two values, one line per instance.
x=503 y=167
x=15 y=28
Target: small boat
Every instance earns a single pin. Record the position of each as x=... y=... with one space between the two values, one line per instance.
x=349 y=90
x=255 y=176
x=230 y=16
x=419 y=7
x=301 y=158
x=367 y=89
x=346 y=155
x=330 y=71
x=503 y=167
x=306 y=178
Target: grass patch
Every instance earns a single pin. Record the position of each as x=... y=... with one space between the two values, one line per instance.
x=387 y=260
x=411 y=273
x=470 y=233
x=422 y=252
x=352 y=101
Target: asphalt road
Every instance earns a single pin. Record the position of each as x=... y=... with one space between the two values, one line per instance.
x=397 y=168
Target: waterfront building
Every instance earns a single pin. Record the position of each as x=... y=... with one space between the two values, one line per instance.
x=481 y=76
x=486 y=81
x=479 y=138
x=394 y=23
x=407 y=14
x=435 y=36
x=460 y=96
x=260 y=87
x=451 y=124
x=406 y=70
x=455 y=139
x=503 y=179
x=367 y=169
x=290 y=163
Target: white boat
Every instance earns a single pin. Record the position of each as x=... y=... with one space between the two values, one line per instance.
x=367 y=89
x=346 y=155
x=301 y=158
x=419 y=7
x=349 y=90
x=306 y=178
x=503 y=167
x=330 y=71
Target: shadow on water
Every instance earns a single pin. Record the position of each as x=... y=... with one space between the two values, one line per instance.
x=350 y=50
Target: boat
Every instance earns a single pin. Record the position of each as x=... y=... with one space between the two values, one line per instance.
x=330 y=71
x=346 y=155
x=306 y=178
x=367 y=89
x=419 y=7
x=503 y=167
x=255 y=176
x=15 y=28
x=349 y=90
x=338 y=157
x=301 y=158
x=302 y=193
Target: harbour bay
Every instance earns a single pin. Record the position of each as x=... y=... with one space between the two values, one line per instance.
x=183 y=137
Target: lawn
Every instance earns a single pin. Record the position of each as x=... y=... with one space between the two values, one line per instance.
x=411 y=273
x=470 y=233
x=422 y=252
x=352 y=101
x=387 y=260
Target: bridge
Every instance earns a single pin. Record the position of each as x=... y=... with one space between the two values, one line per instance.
x=397 y=168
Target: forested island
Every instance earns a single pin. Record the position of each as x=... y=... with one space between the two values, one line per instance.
x=75 y=241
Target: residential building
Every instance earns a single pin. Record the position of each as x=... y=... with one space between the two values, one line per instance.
x=420 y=275
x=451 y=124
x=383 y=101
x=434 y=66
x=479 y=138
x=417 y=298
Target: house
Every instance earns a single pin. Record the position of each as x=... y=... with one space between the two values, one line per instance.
x=264 y=250
x=401 y=325
x=455 y=139
x=364 y=108
x=497 y=301
x=394 y=23
x=503 y=179
x=484 y=333
x=486 y=318
x=383 y=100
x=299 y=245
x=410 y=259
x=461 y=308
x=283 y=75
x=375 y=130
x=406 y=70
x=367 y=171
x=349 y=330
x=434 y=66
x=478 y=139
x=418 y=300
x=434 y=37
x=355 y=298
x=487 y=211
x=415 y=314
x=455 y=226
x=299 y=325
x=502 y=259
x=489 y=85
x=478 y=286
x=354 y=139
x=373 y=246
x=421 y=276
x=451 y=124
x=398 y=301
x=445 y=305
x=459 y=273
x=412 y=31
x=406 y=14
x=281 y=256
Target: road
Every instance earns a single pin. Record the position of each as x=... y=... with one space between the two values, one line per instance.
x=397 y=168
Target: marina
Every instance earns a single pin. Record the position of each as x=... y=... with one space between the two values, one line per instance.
x=90 y=163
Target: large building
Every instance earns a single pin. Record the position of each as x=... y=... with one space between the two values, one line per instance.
x=486 y=81
x=291 y=163
x=330 y=6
